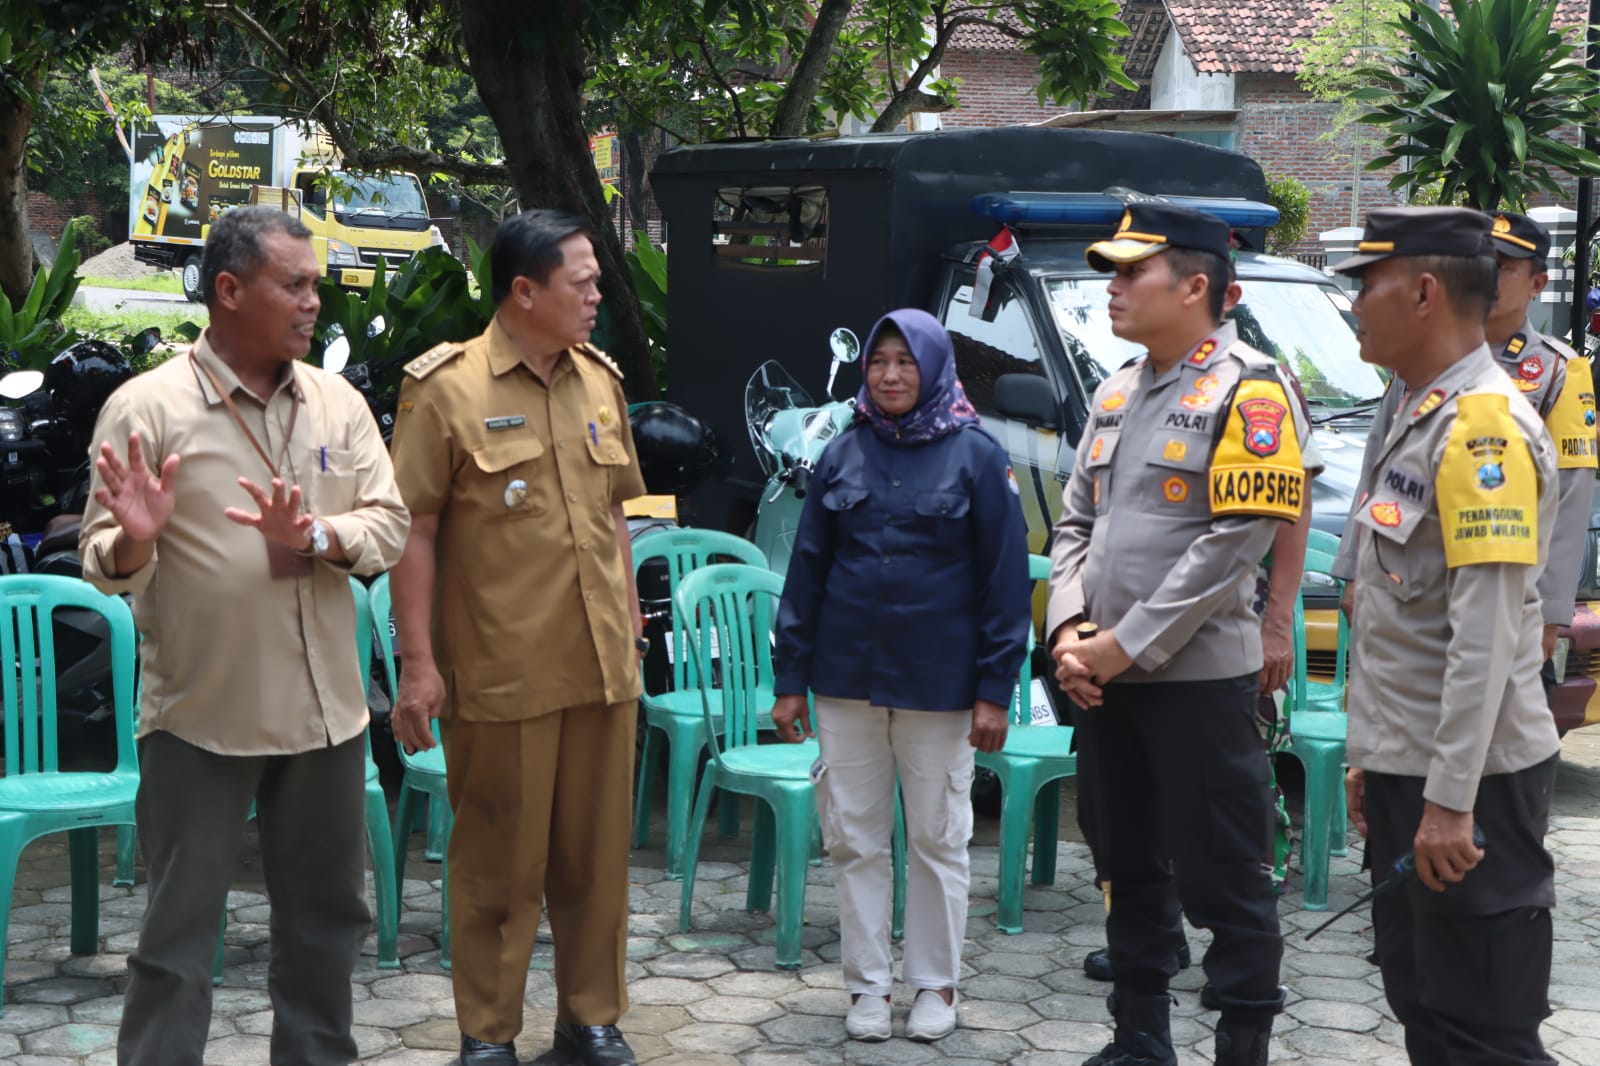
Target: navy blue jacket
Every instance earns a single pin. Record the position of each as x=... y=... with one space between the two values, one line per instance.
x=908 y=586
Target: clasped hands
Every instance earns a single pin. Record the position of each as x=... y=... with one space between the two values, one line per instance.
x=1084 y=666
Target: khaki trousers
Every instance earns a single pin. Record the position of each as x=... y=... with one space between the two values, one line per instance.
x=542 y=812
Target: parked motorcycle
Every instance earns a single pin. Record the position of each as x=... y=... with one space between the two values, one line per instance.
x=789 y=431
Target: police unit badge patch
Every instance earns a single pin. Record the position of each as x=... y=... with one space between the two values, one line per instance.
x=1113 y=401
x=1429 y=402
x=1174 y=451
x=1011 y=482
x=1531 y=368
x=1524 y=385
x=1486 y=486
x=1098 y=447
x=1386 y=514
x=1175 y=489
x=1572 y=418
x=1256 y=467
x=1263 y=425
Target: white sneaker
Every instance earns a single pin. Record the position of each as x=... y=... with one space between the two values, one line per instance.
x=931 y=1017
x=869 y=1019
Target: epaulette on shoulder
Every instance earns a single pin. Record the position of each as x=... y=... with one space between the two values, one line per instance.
x=1131 y=362
x=1250 y=357
x=1559 y=346
x=600 y=357
x=433 y=359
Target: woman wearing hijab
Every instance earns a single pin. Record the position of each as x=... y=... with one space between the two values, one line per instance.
x=905 y=613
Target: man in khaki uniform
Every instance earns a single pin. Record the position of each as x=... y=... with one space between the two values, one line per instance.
x=1448 y=725
x=516 y=607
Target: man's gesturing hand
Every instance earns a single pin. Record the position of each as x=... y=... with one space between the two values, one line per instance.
x=140 y=501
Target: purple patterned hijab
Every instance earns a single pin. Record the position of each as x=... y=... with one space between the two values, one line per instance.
x=942 y=404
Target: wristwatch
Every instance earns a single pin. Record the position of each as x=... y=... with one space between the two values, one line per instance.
x=319 y=539
x=642 y=645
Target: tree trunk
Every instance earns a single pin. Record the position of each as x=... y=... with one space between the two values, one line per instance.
x=16 y=238
x=801 y=93
x=529 y=71
x=902 y=102
x=633 y=182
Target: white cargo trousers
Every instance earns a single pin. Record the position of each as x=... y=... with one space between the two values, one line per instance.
x=863 y=749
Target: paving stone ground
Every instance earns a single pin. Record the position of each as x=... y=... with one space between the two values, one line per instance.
x=711 y=997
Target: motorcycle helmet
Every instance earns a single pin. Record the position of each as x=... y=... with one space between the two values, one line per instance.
x=676 y=449
x=80 y=380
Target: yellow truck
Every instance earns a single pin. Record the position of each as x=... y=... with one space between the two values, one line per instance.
x=188 y=169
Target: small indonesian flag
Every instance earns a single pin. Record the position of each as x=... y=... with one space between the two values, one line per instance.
x=1002 y=248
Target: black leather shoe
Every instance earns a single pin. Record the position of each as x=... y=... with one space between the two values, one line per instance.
x=1097 y=964
x=593 y=1045
x=475 y=1052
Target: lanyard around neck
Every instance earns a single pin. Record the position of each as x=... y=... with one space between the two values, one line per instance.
x=238 y=419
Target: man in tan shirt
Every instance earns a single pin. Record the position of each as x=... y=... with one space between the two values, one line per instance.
x=516 y=607
x=252 y=487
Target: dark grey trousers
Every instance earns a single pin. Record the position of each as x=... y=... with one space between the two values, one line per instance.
x=192 y=809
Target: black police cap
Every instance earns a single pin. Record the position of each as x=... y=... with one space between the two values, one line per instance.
x=1392 y=231
x=1149 y=227
x=1519 y=236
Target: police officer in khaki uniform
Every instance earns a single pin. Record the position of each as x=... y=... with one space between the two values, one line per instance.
x=519 y=620
x=1192 y=459
x=1560 y=386
x=1448 y=723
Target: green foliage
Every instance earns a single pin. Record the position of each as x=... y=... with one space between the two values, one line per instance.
x=124 y=322
x=1293 y=201
x=430 y=300
x=700 y=70
x=648 y=265
x=1076 y=42
x=86 y=233
x=1476 y=102
x=31 y=335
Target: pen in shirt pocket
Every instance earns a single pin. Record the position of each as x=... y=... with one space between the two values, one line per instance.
x=594 y=434
x=324 y=458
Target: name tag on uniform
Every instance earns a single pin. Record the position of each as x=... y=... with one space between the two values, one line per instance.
x=505 y=422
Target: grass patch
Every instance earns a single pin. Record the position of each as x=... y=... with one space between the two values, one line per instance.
x=114 y=324
x=163 y=282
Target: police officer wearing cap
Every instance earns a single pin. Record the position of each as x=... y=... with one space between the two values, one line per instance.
x=1192 y=459
x=1560 y=385
x=1448 y=724
x=519 y=622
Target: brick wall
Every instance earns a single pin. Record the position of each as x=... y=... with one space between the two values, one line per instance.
x=997 y=89
x=50 y=217
x=1281 y=128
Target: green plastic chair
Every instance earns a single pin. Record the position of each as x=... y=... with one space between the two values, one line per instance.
x=385 y=885
x=424 y=784
x=1317 y=739
x=36 y=797
x=738 y=603
x=1321 y=548
x=675 y=716
x=1030 y=768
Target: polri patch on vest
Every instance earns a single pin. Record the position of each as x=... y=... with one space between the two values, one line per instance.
x=1403 y=482
x=503 y=422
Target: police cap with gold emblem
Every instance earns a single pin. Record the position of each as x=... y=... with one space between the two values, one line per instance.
x=1392 y=231
x=1519 y=236
x=1149 y=227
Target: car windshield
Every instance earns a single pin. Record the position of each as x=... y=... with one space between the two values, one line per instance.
x=1302 y=324
x=389 y=194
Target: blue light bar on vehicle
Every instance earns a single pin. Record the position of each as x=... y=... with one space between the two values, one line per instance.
x=1099 y=209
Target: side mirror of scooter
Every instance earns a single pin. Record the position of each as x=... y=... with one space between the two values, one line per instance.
x=336 y=355
x=20 y=383
x=846 y=349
